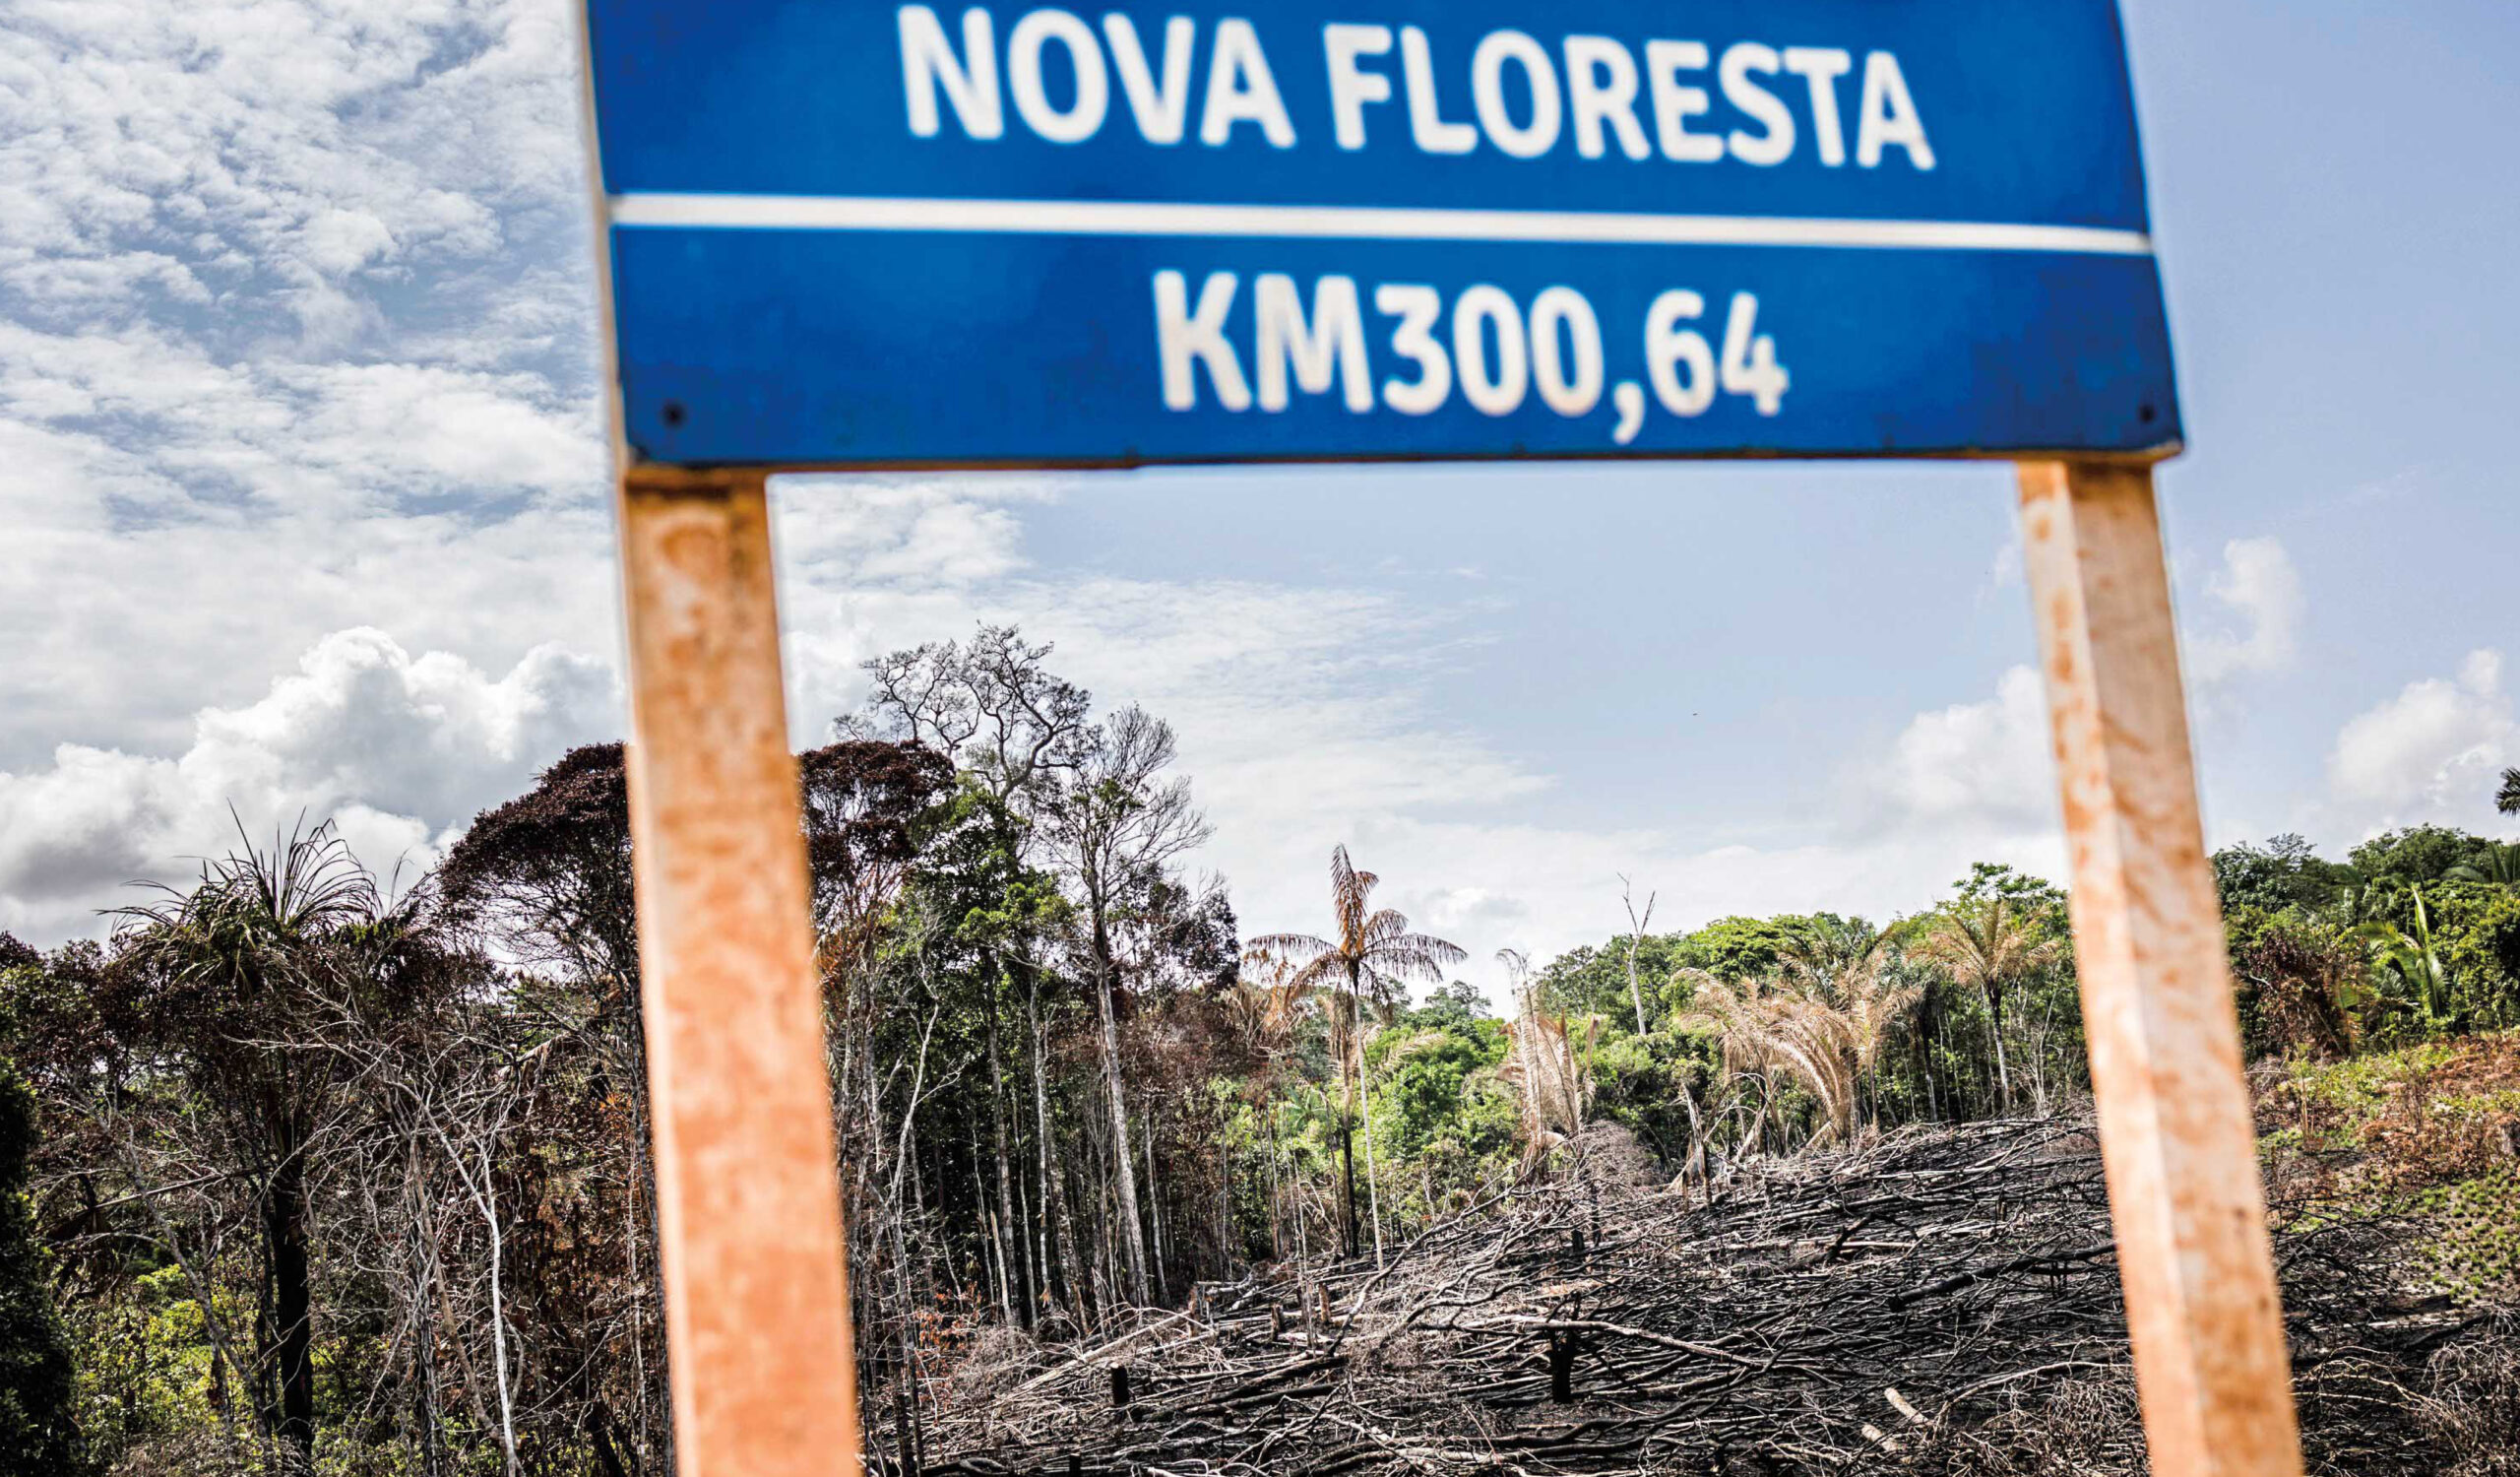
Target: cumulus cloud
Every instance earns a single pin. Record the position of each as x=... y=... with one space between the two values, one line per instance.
x=1986 y=766
x=2262 y=607
x=294 y=335
x=396 y=748
x=2432 y=754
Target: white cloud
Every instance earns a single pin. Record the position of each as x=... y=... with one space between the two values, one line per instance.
x=396 y=748
x=1983 y=766
x=2260 y=592
x=282 y=153
x=293 y=338
x=2432 y=754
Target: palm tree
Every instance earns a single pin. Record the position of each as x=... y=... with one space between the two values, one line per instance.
x=269 y=949
x=2507 y=799
x=2498 y=867
x=1542 y=1063
x=1766 y=1026
x=1848 y=964
x=1989 y=943
x=1373 y=953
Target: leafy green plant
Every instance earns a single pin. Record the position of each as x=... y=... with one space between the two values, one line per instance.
x=2414 y=959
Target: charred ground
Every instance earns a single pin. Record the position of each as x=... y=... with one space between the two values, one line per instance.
x=1940 y=1301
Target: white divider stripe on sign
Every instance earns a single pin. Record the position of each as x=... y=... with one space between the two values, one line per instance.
x=1353 y=223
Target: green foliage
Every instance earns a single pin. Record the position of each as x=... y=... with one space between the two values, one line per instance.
x=2419 y=936
x=2032 y=897
x=2284 y=873
x=1432 y=1075
x=1592 y=979
x=145 y=1364
x=2353 y=1094
x=1738 y=949
x=2418 y=854
x=39 y=1393
x=2477 y=931
x=1455 y=1003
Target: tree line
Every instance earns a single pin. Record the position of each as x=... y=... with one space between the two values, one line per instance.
x=349 y=1174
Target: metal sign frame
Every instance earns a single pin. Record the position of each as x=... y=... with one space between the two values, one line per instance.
x=757 y=1301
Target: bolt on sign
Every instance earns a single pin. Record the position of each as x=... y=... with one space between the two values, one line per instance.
x=855 y=235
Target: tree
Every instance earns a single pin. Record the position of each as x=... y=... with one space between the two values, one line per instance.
x=2507 y=799
x=1846 y=963
x=230 y=983
x=1739 y=948
x=548 y=877
x=39 y=1396
x=866 y=806
x=2418 y=854
x=1769 y=1026
x=1591 y=978
x=549 y=874
x=1541 y=1061
x=1372 y=951
x=2497 y=866
x=992 y=706
x=2285 y=872
x=1991 y=938
x=1636 y=925
x=1118 y=825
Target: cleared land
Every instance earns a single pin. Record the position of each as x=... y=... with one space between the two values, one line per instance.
x=1942 y=1301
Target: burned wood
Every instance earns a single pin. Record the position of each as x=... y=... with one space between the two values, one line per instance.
x=1907 y=1306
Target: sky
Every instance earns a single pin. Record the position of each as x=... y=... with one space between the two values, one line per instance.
x=304 y=511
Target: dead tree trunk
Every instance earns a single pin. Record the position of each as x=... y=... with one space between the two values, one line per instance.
x=1124 y=1168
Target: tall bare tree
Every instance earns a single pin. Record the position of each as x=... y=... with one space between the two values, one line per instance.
x=1636 y=926
x=1117 y=826
x=1372 y=951
x=990 y=705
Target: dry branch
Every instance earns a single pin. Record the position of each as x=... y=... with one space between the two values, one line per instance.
x=1920 y=1303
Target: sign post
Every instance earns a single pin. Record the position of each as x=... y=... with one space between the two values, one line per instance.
x=756 y=1285
x=2176 y=1130
x=860 y=236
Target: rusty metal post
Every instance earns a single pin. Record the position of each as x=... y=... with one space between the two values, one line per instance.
x=2176 y=1130
x=747 y=1185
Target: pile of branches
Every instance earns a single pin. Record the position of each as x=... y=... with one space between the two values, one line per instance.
x=1942 y=1301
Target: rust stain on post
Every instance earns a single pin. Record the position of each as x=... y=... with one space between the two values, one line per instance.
x=2176 y=1134
x=748 y=1195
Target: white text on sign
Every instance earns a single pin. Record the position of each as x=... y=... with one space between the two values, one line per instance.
x=1600 y=95
x=1494 y=351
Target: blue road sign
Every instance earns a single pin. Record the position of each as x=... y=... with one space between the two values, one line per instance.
x=848 y=233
